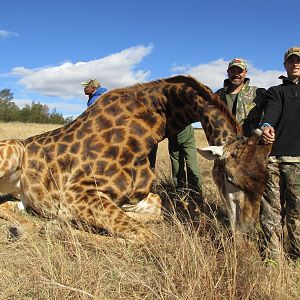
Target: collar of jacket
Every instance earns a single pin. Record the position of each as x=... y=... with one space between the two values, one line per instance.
x=286 y=80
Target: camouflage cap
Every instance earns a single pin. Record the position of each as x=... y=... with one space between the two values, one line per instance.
x=291 y=51
x=239 y=62
x=92 y=82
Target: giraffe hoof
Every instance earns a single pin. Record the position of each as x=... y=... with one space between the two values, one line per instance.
x=14 y=233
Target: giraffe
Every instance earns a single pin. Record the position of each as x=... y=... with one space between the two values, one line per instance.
x=90 y=168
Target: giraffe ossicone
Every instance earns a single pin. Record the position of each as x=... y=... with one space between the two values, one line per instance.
x=90 y=168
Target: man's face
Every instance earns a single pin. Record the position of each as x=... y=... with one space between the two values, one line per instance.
x=89 y=90
x=236 y=75
x=292 y=66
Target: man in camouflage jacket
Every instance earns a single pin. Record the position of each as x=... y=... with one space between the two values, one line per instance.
x=246 y=102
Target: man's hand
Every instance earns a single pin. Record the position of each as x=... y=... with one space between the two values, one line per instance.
x=268 y=136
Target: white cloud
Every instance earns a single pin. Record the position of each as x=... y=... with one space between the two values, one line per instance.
x=213 y=74
x=115 y=70
x=6 y=34
x=22 y=102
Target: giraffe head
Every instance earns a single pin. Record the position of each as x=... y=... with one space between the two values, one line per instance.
x=240 y=174
x=11 y=155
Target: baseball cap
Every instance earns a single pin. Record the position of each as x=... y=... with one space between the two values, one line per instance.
x=239 y=62
x=92 y=82
x=291 y=51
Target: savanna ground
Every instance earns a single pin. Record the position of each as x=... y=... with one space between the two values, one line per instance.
x=189 y=259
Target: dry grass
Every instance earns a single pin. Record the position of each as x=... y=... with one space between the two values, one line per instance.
x=189 y=260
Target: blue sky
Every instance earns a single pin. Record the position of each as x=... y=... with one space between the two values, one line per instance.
x=49 y=47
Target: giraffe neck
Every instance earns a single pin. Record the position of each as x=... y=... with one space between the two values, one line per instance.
x=190 y=101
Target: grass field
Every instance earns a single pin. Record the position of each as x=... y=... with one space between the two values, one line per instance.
x=189 y=260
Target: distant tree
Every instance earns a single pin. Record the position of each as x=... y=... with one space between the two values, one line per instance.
x=68 y=119
x=34 y=113
x=56 y=118
x=6 y=95
x=8 y=109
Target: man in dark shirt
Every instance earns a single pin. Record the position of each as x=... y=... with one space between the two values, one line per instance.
x=280 y=126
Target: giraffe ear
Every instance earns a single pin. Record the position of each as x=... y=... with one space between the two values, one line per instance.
x=211 y=152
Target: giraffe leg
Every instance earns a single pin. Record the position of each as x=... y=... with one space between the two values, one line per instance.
x=150 y=204
x=99 y=211
x=147 y=209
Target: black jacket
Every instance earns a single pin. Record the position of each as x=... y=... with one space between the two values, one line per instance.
x=283 y=113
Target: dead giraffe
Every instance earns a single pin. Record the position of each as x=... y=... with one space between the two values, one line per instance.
x=89 y=168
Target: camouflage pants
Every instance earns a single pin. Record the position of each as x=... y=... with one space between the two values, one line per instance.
x=280 y=205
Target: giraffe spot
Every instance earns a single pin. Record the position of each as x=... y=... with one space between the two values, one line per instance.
x=218 y=122
x=67 y=163
x=100 y=181
x=160 y=131
x=111 y=170
x=75 y=148
x=39 y=191
x=134 y=144
x=114 y=110
x=90 y=148
x=49 y=183
x=101 y=166
x=133 y=106
x=33 y=148
x=36 y=165
x=225 y=134
x=115 y=135
x=87 y=127
x=61 y=149
x=95 y=110
x=122 y=120
x=87 y=168
x=107 y=99
x=137 y=129
x=55 y=196
x=121 y=182
x=72 y=127
x=103 y=123
x=144 y=177
x=147 y=117
x=87 y=182
x=150 y=142
x=76 y=188
x=126 y=157
x=112 y=152
x=56 y=138
x=68 y=138
x=47 y=141
x=140 y=94
x=216 y=133
x=111 y=192
x=76 y=176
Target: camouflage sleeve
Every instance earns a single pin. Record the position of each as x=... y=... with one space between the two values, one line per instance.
x=255 y=114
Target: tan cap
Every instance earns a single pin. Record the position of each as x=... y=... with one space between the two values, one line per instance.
x=291 y=51
x=92 y=82
x=239 y=62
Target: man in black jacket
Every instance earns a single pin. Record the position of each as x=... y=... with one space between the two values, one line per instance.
x=280 y=126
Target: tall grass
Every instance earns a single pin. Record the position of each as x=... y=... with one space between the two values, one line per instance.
x=191 y=258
